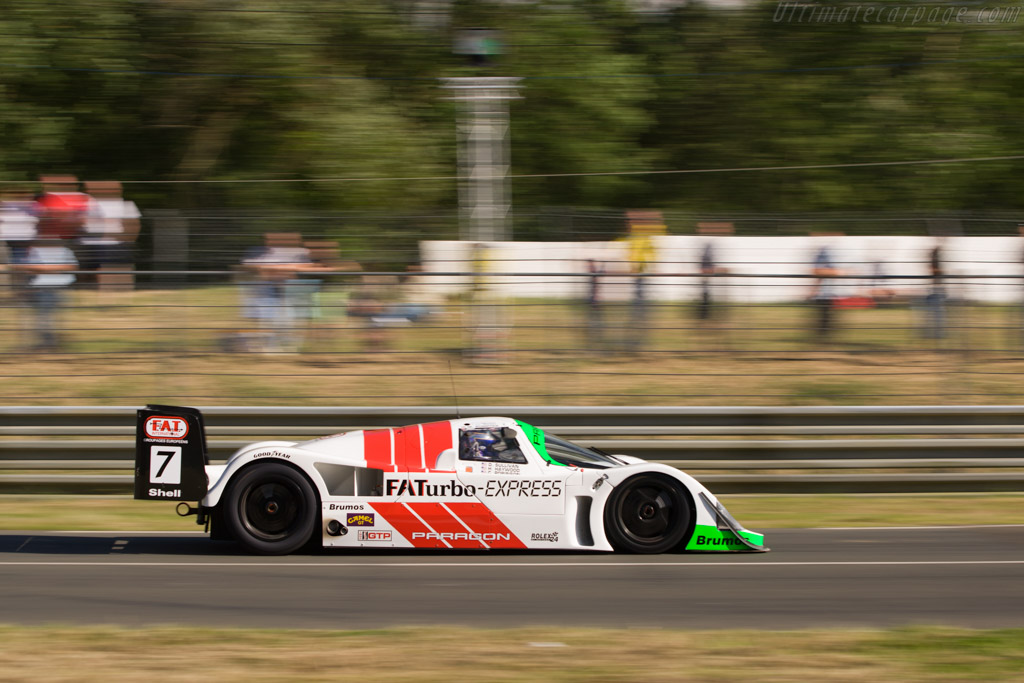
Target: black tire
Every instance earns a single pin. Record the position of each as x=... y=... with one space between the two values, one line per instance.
x=271 y=509
x=649 y=513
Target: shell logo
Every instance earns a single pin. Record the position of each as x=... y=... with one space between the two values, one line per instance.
x=164 y=427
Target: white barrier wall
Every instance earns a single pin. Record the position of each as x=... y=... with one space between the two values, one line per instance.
x=678 y=262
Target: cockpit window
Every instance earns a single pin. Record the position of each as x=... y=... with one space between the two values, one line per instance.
x=491 y=445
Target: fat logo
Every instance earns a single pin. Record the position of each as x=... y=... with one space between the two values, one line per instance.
x=165 y=427
x=420 y=487
x=548 y=538
x=374 y=536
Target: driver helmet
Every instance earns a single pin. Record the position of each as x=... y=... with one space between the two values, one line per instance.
x=486 y=443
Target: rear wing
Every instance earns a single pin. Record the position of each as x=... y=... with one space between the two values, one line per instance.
x=170 y=454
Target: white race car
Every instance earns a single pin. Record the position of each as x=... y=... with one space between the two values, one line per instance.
x=469 y=483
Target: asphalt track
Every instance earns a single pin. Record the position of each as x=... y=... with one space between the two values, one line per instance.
x=963 y=576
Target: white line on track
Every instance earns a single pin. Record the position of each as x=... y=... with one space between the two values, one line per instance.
x=902 y=528
x=122 y=532
x=427 y=565
x=138 y=532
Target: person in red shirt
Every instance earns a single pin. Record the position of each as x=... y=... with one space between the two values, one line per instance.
x=61 y=208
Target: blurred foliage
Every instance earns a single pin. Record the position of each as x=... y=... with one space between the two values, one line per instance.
x=185 y=90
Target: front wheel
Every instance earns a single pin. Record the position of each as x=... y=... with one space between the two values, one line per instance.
x=271 y=509
x=648 y=513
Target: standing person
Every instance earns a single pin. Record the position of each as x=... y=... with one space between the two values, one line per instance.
x=707 y=271
x=823 y=294
x=18 y=222
x=710 y=268
x=17 y=230
x=61 y=208
x=327 y=300
x=275 y=265
x=106 y=243
x=935 y=301
x=1020 y=310
x=595 y=314
x=644 y=226
x=48 y=265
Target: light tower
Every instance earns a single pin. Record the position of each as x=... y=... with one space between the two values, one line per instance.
x=482 y=130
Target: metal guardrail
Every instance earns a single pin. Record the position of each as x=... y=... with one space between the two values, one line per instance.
x=730 y=449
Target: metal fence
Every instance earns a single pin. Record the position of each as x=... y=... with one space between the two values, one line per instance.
x=731 y=450
x=376 y=338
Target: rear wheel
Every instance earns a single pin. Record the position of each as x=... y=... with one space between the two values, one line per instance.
x=648 y=513
x=271 y=509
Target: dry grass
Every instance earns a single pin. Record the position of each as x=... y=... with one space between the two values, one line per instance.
x=155 y=345
x=445 y=654
x=541 y=379
x=90 y=513
x=838 y=510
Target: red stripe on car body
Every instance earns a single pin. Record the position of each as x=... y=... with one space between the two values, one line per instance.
x=437 y=436
x=410 y=449
x=377 y=449
x=446 y=525
x=407 y=524
x=480 y=519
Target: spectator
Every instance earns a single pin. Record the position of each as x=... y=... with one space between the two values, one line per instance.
x=823 y=293
x=267 y=298
x=644 y=226
x=595 y=311
x=17 y=230
x=322 y=300
x=17 y=222
x=372 y=301
x=880 y=291
x=935 y=301
x=1020 y=310
x=106 y=243
x=709 y=267
x=61 y=208
x=47 y=264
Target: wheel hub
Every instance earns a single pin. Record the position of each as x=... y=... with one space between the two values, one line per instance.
x=271 y=509
x=648 y=511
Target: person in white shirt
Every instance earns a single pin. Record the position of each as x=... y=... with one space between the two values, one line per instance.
x=267 y=299
x=48 y=265
x=107 y=239
x=17 y=230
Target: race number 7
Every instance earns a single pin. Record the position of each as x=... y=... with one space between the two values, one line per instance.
x=165 y=464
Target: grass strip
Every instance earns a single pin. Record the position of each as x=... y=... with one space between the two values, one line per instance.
x=188 y=346
x=119 y=513
x=550 y=654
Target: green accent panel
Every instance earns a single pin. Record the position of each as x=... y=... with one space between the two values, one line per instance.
x=711 y=538
x=536 y=437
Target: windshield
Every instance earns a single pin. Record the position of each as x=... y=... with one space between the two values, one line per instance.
x=569 y=453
